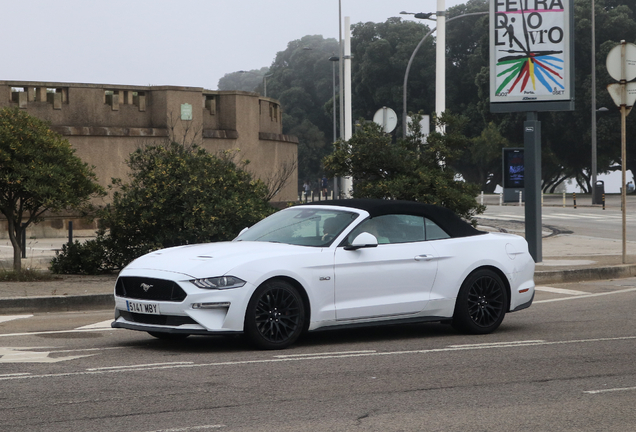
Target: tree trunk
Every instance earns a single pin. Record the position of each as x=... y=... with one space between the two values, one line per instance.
x=15 y=235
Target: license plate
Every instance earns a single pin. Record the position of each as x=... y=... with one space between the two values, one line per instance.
x=143 y=308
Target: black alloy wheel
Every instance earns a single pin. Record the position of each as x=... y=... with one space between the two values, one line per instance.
x=481 y=304
x=275 y=315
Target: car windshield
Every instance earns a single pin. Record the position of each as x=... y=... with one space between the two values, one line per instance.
x=300 y=226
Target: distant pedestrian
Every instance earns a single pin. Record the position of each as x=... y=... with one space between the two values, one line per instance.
x=324 y=183
x=306 y=189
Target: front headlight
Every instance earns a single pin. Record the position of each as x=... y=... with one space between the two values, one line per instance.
x=221 y=282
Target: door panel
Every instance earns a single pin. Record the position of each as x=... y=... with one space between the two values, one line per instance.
x=390 y=279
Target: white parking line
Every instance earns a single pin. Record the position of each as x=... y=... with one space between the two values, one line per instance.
x=138 y=366
x=560 y=290
x=191 y=428
x=585 y=296
x=325 y=353
x=610 y=390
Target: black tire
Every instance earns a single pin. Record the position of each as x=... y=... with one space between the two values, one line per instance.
x=481 y=304
x=275 y=315
x=168 y=336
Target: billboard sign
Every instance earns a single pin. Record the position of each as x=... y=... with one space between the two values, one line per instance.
x=531 y=54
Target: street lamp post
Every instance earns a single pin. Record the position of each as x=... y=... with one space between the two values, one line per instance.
x=333 y=59
x=264 y=79
x=417 y=48
x=593 y=132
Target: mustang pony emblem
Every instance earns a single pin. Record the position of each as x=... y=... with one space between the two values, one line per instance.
x=145 y=287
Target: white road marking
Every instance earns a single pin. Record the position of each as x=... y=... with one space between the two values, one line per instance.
x=139 y=365
x=560 y=290
x=6 y=318
x=325 y=353
x=191 y=428
x=497 y=344
x=585 y=296
x=103 y=325
x=23 y=355
x=56 y=332
x=511 y=344
x=610 y=390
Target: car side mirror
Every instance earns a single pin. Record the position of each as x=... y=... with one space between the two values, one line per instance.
x=363 y=240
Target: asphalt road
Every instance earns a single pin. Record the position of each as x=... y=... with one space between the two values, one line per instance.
x=588 y=221
x=566 y=364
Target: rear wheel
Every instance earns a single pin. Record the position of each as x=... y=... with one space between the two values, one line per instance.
x=275 y=315
x=481 y=303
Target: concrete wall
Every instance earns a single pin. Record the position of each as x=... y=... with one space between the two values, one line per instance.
x=105 y=123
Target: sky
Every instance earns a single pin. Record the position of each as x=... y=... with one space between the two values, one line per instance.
x=172 y=42
x=167 y=42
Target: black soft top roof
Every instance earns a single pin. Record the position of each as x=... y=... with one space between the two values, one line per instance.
x=446 y=219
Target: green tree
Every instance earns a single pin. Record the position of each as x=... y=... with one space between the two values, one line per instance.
x=408 y=169
x=39 y=172
x=302 y=79
x=177 y=194
x=249 y=81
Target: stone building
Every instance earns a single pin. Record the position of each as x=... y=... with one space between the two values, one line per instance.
x=105 y=123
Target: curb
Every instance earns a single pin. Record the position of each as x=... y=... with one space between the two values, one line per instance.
x=585 y=274
x=78 y=303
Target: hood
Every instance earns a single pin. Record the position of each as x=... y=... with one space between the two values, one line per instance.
x=212 y=259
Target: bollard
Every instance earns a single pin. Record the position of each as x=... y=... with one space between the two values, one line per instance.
x=482 y=198
x=574 y=198
x=500 y=199
x=520 y=199
x=70 y=233
x=564 y=199
x=541 y=198
x=603 y=201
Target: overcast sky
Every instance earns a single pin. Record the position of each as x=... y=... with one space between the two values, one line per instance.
x=167 y=42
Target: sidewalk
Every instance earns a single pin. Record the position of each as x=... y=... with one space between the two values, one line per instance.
x=566 y=258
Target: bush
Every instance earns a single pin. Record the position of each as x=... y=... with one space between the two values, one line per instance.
x=80 y=258
x=177 y=195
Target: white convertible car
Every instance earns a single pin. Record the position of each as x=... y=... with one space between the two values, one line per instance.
x=341 y=263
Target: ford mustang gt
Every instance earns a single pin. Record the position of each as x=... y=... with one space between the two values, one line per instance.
x=335 y=264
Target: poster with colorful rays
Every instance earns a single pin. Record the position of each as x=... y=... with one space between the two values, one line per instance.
x=530 y=59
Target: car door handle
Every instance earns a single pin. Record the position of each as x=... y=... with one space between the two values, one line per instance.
x=425 y=257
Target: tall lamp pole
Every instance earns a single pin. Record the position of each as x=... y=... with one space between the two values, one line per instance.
x=593 y=132
x=440 y=59
x=417 y=48
x=333 y=59
x=262 y=76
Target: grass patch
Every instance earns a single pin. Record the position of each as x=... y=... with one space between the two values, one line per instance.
x=26 y=275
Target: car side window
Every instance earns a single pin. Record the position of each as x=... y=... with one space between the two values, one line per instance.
x=434 y=232
x=391 y=229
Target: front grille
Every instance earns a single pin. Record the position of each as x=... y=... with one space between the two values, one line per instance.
x=156 y=289
x=167 y=320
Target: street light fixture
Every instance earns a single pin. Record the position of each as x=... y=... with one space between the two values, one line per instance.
x=264 y=79
x=408 y=67
x=419 y=15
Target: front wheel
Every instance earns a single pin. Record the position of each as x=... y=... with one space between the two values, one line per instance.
x=275 y=315
x=481 y=303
